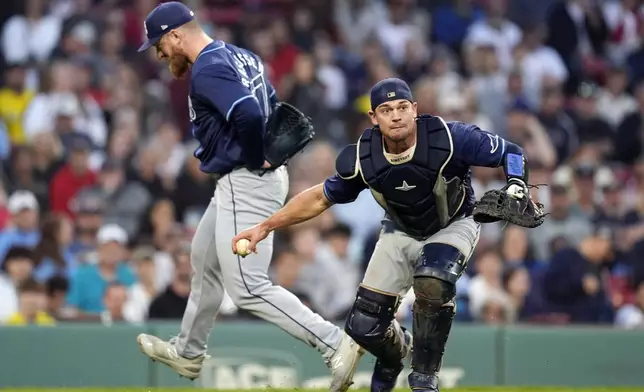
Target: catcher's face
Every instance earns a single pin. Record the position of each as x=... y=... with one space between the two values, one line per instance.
x=396 y=119
x=169 y=49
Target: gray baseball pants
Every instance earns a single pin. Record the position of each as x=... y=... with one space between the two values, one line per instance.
x=392 y=265
x=243 y=199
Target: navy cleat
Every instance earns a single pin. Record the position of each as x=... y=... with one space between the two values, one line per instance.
x=384 y=377
x=419 y=382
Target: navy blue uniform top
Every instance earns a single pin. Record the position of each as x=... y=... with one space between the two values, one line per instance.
x=472 y=147
x=230 y=101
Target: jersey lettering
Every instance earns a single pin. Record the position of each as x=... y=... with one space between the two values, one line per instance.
x=251 y=72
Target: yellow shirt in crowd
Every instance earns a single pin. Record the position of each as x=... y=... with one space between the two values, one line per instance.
x=12 y=108
x=42 y=319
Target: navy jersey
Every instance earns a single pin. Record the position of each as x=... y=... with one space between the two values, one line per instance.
x=471 y=147
x=230 y=101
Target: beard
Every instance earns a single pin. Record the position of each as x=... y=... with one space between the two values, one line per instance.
x=179 y=66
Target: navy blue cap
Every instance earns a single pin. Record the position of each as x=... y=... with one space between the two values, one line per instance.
x=162 y=19
x=389 y=89
x=76 y=141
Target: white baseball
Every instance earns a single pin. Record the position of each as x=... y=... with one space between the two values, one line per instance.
x=242 y=247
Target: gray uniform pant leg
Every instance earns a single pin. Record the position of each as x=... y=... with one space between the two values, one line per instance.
x=206 y=290
x=243 y=199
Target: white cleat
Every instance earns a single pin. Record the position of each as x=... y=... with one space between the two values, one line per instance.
x=166 y=353
x=343 y=364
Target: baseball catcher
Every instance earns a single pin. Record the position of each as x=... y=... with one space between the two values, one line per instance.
x=417 y=166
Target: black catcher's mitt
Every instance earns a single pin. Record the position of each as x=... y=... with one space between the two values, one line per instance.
x=287 y=132
x=512 y=204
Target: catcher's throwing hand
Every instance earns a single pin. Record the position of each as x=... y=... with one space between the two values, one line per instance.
x=512 y=204
x=246 y=242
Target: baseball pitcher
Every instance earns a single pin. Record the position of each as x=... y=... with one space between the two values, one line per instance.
x=245 y=136
x=418 y=169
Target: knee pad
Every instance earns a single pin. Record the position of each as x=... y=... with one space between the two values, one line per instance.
x=370 y=324
x=436 y=273
x=441 y=261
x=433 y=293
x=371 y=316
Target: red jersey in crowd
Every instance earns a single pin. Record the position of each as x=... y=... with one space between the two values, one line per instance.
x=64 y=187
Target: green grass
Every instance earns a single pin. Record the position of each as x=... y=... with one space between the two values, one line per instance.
x=477 y=389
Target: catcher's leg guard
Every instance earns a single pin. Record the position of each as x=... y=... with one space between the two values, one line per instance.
x=438 y=270
x=370 y=324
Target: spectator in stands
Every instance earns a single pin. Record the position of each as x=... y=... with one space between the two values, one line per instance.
x=515 y=247
x=451 y=21
x=577 y=31
x=192 y=193
x=624 y=22
x=33 y=35
x=560 y=223
x=523 y=298
x=632 y=315
x=591 y=128
x=22 y=175
x=487 y=286
x=357 y=20
x=74 y=176
x=57 y=83
x=88 y=212
x=538 y=62
x=52 y=254
x=114 y=304
x=14 y=99
x=496 y=30
x=166 y=235
x=495 y=311
x=285 y=272
x=333 y=254
x=628 y=144
x=57 y=288
x=89 y=282
x=126 y=201
x=24 y=210
x=172 y=303
x=559 y=126
x=144 y=169
x=525 y=129
x=573 y=282
x=47 y=158
x=610 y=210
x=141 y=293
x=16 y=269
x=32 y=306
x=614 y=103
x=585 y=189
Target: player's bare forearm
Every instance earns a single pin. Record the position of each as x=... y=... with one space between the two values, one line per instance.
x=306 y=205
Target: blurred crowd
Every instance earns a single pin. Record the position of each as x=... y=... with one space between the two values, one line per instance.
x=101 y=193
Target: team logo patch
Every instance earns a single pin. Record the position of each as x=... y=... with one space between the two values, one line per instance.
x=391 y=94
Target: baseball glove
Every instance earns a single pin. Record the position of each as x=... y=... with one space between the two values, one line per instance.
x=288 y=131
x=512 y=204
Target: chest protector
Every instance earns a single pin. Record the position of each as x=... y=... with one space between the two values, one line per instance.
x=416 y=196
